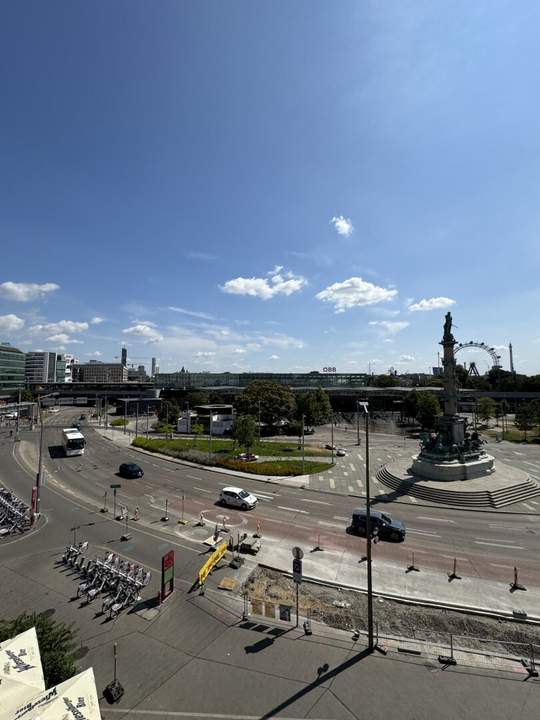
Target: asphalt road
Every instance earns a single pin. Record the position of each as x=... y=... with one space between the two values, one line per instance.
x=486 y=544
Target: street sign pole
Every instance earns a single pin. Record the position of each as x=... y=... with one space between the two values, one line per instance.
x=114 y=488
x=298 y=554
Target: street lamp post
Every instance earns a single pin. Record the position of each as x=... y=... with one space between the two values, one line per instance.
x=210 y=437
x=137 y=419
x=357 y=423
x=259 y=422
x=39 y=475
x=371 y=644
x=332 y=435
x=303 y=444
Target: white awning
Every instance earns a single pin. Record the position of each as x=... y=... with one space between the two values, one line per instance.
x=21 y=674
x=74 y=699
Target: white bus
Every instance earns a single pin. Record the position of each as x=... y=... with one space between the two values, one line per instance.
x=73 y=441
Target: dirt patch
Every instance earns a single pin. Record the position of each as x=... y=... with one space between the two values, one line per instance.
x=347 y=609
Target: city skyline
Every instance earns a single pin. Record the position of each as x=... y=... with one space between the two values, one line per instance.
x=225 y=187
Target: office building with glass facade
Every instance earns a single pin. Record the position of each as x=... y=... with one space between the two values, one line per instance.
x=12 y=368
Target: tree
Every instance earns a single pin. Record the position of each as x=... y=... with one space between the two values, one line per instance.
x=197 y=429
x=169 y=412
x=56 y=643
x=27 y=395
x=245 y=429
x=384 y=381
x=314 y=406
x=487 y=407
x=525 y=418
x=427 y=410
x=197 y=397
x=410 y=404
x=276 y=401
x=323 y=408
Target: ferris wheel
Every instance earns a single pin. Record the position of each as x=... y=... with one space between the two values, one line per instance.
x=495 y=358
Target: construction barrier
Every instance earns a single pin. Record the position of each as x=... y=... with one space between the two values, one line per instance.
x=212 y=561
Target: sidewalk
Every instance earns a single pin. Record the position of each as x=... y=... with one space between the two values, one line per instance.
x=473 y=594
x=197 y=658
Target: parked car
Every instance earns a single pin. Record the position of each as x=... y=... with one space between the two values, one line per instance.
x=340 y=452
x=382 y=525
x=130 y=470
x=249 y=457
x=330 y=447
x=236 y=497
x=83 y=417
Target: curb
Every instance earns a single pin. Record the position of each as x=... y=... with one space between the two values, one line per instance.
x=426 y=602
x=278 y=480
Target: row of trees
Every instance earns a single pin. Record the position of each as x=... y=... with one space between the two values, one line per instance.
x=424 y=407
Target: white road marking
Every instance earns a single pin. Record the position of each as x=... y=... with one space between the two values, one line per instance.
x=379 y=459
x=425 y=517
x=452 y=557
x=266 y=496
x=319 y=502
x=533 y=502
x=359 y=483
x=412 y=499
x=332 y=483
x=529 y=507
x=350 y=488
x=360 y=456
x=297 y=510
x=422 y=532
x=346 y=474
x=201 y=489
x=516 y=452
x=508 y=547
x=193 y=477
x=534 y=465
x=352 y=467
x=328 y=524
x=507 y=567
x=340 y=517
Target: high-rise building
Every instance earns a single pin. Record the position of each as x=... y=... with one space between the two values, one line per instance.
x=12 y=365
x=153 y=366
x=124 y=357
x=71 y=361
x=60 y=369
x=40 y=367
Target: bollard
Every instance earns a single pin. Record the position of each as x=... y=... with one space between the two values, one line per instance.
x=307 y=627
x=516 y=585
x=165 y=517
x=104 y=509
x=224 y=527
x=137 y=514
x=216 y=534
x=318 y=547
x=258 y=533
x=412 y=567
x=453 y=575
x=201 y=522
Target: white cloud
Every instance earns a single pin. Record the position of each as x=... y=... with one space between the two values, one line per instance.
x=205 y=354
x=201 y=256
x=146 y=331
x=434 y=303
x=500 y=347
x=406 y=358
x=97 y=320
x=278 y=282
x=342 y=225
x=11 y=323
x=191 y=313
x=388 y=340
x=280 y=340
x=274 y=357
x=62 y=326
x=24 y=292
x=390 y=326
x=354 y=292
x=59 y=338
x=96 y=353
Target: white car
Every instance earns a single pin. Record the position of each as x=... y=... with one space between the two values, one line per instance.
x=340 y=452
x=54 y=409
x=236 y=497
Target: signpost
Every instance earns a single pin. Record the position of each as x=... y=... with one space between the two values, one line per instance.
x=167 y=574
x=114 y=488
x=297 y=554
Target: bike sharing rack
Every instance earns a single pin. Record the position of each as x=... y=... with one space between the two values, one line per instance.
x=15 y=515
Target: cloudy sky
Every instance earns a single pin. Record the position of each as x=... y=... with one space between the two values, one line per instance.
x=235 y=185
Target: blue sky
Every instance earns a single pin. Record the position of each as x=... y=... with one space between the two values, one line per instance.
x=270 y=186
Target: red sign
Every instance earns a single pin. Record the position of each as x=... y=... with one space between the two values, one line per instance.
x=167 y=574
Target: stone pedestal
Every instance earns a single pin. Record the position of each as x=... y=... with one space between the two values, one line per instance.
x=450 y=470
x=454 y=428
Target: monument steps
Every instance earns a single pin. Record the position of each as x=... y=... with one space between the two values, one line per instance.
x=496 y=498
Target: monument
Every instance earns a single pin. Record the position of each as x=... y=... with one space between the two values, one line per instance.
x=452 y=453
